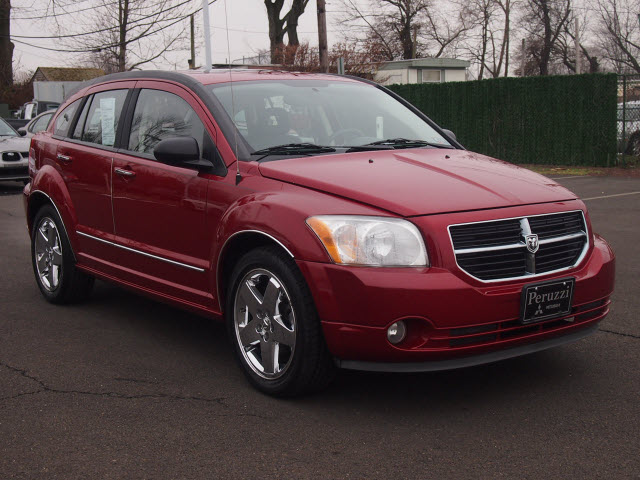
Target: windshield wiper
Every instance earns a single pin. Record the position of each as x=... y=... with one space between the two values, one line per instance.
x=294 y=149
x=396 y=143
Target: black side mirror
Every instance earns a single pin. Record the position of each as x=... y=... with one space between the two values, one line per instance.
x=177 y=150
x=450 y=134
x=22 y=132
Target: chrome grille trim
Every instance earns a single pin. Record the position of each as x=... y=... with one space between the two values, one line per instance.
x=526 y=230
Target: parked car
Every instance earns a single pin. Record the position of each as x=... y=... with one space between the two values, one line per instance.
x=14 y=154
x=329 y=223
x=37 y=124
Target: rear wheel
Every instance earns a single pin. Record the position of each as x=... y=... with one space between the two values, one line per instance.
x=274 y=326
x=53 y=263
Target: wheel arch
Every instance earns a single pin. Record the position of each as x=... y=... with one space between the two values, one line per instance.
x=232 y=250
x=38 y=199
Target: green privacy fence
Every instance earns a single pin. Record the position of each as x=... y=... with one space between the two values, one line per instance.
x=554 y=120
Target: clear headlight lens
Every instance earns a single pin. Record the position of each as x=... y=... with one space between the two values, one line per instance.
x=373 y=241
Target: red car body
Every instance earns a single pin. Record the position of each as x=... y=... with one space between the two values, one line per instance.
x=174 y=233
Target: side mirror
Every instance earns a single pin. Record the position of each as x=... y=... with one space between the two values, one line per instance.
x=177 y=150
x=450 y=134
x=22 y=132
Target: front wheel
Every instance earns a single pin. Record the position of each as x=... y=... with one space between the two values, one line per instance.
x=274 y=327
x=53 y=263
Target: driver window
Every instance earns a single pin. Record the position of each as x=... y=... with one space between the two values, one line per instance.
x=160 y=115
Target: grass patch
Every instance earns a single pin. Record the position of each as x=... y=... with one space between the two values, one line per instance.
x=568 y=171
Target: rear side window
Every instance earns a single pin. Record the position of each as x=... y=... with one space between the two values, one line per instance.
x=160 y=115
x=100 y=122
x=65 y=118
x=41 y=123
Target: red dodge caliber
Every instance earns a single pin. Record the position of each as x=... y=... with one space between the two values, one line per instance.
x=329 y=223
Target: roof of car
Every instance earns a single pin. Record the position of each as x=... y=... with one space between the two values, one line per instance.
x=222 y=75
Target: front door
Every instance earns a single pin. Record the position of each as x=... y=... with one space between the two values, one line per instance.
x=159 y=209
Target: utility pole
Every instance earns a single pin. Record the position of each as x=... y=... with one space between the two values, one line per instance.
x=207 y=36
x=322 y=36
x=192 y=60
x=578 y=56
x=523 y=61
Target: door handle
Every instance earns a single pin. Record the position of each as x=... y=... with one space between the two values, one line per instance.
x=125 y=173
x=64 y=158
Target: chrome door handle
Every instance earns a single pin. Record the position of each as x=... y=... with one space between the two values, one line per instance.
x=125 y=173
x=64 y=158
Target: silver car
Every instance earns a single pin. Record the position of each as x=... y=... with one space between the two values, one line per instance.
x=37 y=124
x=14 y=154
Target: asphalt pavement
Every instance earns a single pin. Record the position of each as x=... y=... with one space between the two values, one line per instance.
x=124 y=387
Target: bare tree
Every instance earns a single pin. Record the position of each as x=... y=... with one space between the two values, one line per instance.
x=545 y=20
x=619 y=34
x=406 y=29
x=565 y=48
x=279 y=26
x=125 y=34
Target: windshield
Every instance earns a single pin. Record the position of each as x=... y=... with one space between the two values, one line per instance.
x=328 y=113
x=6 y=130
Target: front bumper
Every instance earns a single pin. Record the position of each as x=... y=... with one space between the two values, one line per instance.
x=14 y=170
x=449 y=315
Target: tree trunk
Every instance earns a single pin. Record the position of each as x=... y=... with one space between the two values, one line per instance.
x=6 y=46
x=123 y=18
x=297 y=9
x=276 y=27
x=545 y=52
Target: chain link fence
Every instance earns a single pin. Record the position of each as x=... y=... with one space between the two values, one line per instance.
x=628 y=116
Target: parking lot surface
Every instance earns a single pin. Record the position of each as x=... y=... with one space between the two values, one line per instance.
x=123 y=387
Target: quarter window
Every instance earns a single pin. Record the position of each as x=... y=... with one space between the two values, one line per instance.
x=160 y=115
x=41 y=123
x=65 y=118
x=103 y=116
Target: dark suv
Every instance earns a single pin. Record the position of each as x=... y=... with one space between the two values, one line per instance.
x=331 y=224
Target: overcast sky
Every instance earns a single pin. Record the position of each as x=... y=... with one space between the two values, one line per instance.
x=247 y=21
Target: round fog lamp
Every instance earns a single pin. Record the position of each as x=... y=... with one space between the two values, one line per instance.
x=396 y=332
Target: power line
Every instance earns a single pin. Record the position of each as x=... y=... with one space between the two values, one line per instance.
x=108 y=29
x=98 y=48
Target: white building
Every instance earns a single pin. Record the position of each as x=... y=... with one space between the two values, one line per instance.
x=422 y=70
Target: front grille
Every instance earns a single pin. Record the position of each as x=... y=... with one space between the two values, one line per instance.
x=497 y=250
x=12 y=156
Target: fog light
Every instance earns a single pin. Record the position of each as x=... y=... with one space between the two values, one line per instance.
x=397 y=332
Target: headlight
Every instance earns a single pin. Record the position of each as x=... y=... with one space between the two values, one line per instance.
x=374 y=241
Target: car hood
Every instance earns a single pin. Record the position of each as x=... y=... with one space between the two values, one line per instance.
x=17 y=144
x=419 y=181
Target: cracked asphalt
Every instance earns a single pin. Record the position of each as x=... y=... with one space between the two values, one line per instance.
x=123 y=387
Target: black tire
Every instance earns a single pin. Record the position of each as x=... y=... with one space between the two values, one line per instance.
x=70 y=284
x=309 y=365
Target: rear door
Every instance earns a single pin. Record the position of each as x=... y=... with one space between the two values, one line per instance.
x=85 y=157
x=159 y=209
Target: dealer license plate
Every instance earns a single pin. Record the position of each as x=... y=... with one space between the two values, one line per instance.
x=545 y=300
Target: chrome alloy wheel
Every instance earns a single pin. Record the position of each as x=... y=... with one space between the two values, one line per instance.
x=265 y=323
x=48 y=253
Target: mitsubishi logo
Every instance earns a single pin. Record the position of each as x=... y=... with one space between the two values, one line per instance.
x=532 y=242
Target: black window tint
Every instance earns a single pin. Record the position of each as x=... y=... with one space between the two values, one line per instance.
x=77 y=132
x=103 y=116
x=160 y=115
x=65 y=118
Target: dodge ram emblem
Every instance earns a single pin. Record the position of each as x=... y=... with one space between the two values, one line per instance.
x=532 y=242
